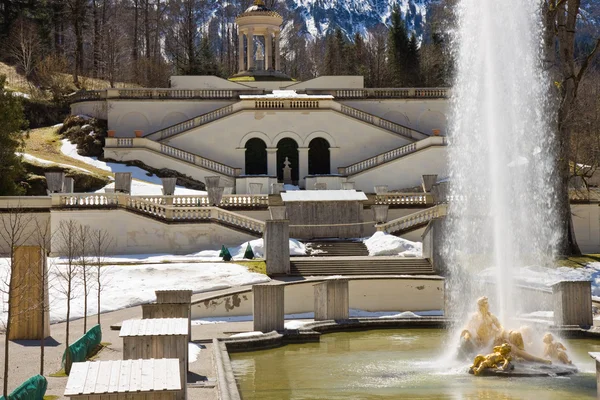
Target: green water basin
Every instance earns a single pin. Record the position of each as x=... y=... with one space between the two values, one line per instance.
x=395 y=364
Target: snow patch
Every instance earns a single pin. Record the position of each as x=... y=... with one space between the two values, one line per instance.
x=383 y=244
x=193 y=352
x=246 y=334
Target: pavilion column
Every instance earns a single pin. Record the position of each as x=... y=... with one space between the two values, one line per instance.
x=272 y=161
x=268 y=51
x=241 y=51
x=277 y=58
x=302 y=166
x=250 y=37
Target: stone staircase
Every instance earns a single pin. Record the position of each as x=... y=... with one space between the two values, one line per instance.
x=313 y=266
x=336 y=248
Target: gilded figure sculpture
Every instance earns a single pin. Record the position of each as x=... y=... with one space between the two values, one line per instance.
x=555 y=350
x=484 y=330
x=499 y=359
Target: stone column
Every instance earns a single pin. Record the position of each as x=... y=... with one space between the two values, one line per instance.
x=268 y=307
x=272 y=161
x=241 y=51
x=302 y=166
x=268 y=51
x=277 y=57
x=332 y=300
x=277 y=247
x=250 y=38
x=572 y=303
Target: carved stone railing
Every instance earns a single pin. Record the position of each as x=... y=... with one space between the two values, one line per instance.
x=24 y=202
x=413 y=220
x=191 y=123
x=403 y=199
x=382 y=123
x=162 y=94
x=392 y=155
x=228 y=200
x=384 y=93
x=169 y=151
x=167 y=208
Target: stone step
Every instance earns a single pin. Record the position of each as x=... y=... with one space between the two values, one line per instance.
x=335 y=248
x=360 y=266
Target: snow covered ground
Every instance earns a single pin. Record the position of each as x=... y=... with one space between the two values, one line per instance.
x=142 y=183
x=130 y=285
x=383 y=244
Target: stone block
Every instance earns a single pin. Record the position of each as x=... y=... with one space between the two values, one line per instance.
x=427 y=182
x=268 y=307
x=255 y=188
x=347 y=185
x=69 y=185
x=381 y=189
x=277 y=247
x=123 y=182
x=320 y=186
x=55 y=181
x=278 y=212
x=212 y=181
x=573 y=303
x=168 y=188
x=380 y=213
x=439 y=192
x=332 y=300
x=276 y=188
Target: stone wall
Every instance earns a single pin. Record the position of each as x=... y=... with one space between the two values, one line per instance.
x=326 y=213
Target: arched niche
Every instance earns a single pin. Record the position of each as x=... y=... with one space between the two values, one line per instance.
x=256 y=157
x=319 y=159
x=287 y=147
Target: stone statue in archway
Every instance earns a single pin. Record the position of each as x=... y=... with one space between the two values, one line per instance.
x=287 y=171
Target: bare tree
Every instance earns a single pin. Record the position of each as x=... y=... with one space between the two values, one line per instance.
x=83 y=249
x=67 y=247
x=15 y=231
x=24 y=45
x=43 y=238
x=561 y=23
x=101 y=242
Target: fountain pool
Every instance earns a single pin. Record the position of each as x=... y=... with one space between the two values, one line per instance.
x=394 y=364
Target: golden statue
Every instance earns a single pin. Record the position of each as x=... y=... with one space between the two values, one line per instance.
x=555 y=350
x=484 y=329
x=499 y=359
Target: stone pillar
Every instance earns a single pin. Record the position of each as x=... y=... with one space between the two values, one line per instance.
x=572 y=303
x=277 y=246
x=268 y=51
x=332 y=300
x=29 y=298
x=302 y=166
x=428 y=181
x=439 y=192
x=268 y=307
x=241 y=66
x=272 y=161
x=277 y=56
x=250 y=55
x=380 y=213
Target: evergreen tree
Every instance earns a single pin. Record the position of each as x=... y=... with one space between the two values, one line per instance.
x=12 y=121
x=398 y=47
x=207 y=64
x=412 y=62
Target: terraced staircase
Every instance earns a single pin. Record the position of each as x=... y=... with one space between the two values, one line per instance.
x=336 y=248
x=313 y=266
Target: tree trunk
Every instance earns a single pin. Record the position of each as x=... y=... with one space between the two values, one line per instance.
x=135 y=50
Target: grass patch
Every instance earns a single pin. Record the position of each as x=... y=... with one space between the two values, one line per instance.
x=258 y=266
x=45 y=143
x=51 y=397
x=59 y=374
x=578 y=261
